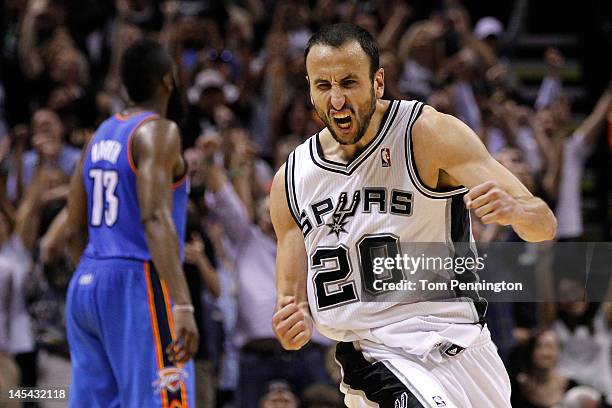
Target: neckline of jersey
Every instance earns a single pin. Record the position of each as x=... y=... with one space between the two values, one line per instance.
x=351 y=165
x=124 y=118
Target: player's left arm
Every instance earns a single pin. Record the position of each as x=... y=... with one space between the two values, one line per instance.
x=76 y=220
x=495 y=194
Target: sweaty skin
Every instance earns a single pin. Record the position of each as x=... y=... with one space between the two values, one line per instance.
x=447 y=154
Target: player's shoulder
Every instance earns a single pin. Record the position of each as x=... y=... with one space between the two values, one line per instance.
x=429 y=120
x=159 y=124
x=432 y=126
x=282 y=215
x=158 y=131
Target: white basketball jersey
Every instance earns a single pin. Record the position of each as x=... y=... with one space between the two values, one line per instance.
x=376 y=202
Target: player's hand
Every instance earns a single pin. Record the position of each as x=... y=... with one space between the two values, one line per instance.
x=492 y=204
x=292 y=326
x=185 y=344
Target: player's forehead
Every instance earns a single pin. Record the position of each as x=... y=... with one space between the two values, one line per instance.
x=327 y=62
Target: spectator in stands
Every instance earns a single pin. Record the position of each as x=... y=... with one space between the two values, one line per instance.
x=49 y=149
x=16 y=255
x=253 y=244
x=279 y=395
x=586 y=340
x=541 y=385
x=204 y=287
x=322 y=396
x=9 y=371
x=576 y=150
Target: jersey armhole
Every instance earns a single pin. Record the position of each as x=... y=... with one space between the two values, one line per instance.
x=290 y=188
x=417 y=109
x=183 y=177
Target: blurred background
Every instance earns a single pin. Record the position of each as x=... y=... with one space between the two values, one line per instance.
x=531 y=78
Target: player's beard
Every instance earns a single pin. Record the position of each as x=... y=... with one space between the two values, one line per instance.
x=362 y=119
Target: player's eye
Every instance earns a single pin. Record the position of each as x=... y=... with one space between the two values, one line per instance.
x=349 y=83
x=323 y=87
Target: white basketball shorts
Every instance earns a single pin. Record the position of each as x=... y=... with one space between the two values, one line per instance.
x=448 y=377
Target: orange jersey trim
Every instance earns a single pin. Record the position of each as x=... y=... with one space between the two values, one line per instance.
x=184 y=403
x=180 y=181
x=156 y=338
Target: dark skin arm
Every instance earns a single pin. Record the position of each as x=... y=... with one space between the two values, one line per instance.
x=76 y=225
x=157 y=150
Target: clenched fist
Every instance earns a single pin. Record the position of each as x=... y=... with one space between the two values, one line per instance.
x=493 y=205
x=292 y=326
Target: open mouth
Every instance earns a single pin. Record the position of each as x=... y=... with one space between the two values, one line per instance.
x=343 y=122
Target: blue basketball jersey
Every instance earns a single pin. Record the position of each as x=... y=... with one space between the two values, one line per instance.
x=109 y=174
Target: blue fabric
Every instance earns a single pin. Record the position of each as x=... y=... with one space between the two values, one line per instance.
x=114 y=351
x=120 y=234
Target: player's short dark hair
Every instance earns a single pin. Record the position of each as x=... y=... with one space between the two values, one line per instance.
x=337 y=35
x=143 y=65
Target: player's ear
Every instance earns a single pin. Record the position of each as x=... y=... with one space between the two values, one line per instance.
x=379 y=82
x=168 y=81
x=309 y=93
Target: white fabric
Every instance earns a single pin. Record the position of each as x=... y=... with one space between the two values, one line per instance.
x=569 y=205
x=429 y=222
x=585 y=353
x=467 y=106
x=16 y=257
x=473 y=379
x=6 y=284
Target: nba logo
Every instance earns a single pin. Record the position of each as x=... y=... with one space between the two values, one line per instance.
x=385 y=157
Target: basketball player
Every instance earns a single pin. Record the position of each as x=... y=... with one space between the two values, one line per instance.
x=127 y=207
x=385 y=173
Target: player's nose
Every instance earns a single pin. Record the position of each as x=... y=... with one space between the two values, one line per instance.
x=337 y=98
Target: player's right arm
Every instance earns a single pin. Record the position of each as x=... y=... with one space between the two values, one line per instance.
x=157 y=151
x=291 y=322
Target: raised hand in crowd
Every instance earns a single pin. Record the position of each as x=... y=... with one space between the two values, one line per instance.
x=195 y=255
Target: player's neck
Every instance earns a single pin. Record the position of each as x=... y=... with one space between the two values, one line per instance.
x=345 y=153
x=156 y=106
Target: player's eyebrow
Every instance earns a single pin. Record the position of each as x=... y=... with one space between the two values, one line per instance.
x=326 y=81
x=349 y=76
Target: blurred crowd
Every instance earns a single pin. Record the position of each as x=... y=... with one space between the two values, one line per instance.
x=244 y=107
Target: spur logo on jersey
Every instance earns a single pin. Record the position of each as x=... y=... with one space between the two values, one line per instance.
x=385 y=157
x=342 y=212
x=170 y=378
x=367 y=200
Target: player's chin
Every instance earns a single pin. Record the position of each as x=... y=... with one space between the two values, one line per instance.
x=345 y=136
